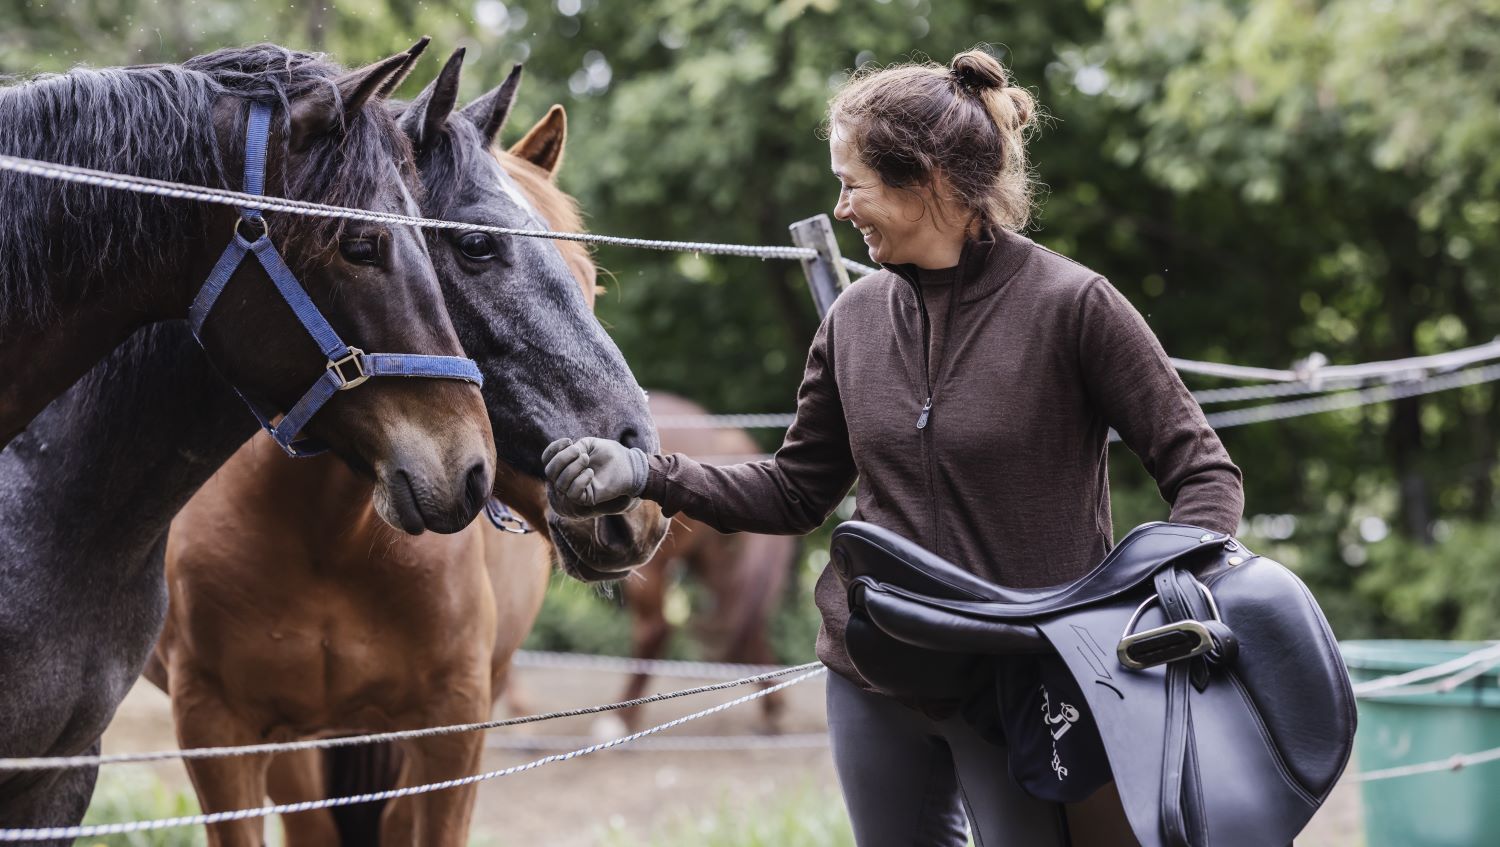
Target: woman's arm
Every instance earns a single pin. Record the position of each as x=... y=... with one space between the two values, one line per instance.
x=1139 y=393
x=789 y=494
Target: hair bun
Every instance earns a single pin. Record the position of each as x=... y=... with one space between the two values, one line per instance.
x=977 y=71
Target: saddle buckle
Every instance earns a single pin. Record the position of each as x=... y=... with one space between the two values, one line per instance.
x=1161 y=645
x=353 y=358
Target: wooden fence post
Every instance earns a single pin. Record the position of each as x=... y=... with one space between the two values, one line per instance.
x=826 y=276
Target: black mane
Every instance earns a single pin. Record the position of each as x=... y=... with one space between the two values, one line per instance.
x=61 y=242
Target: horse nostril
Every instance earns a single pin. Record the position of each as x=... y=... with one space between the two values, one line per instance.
x=476 y=487
x=629 y=437
x=614 y=532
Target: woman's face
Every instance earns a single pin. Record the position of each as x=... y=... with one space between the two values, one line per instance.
x=898 y=227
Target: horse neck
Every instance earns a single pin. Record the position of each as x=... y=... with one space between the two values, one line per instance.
x=318 y=498
x=83 y=266
x=94 y=481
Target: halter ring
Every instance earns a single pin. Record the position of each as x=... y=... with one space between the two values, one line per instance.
x=265 y=229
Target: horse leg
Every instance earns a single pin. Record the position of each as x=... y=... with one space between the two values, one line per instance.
x=223 y=784
x=441 y=818
x=646 y=595
x=294 y=778
x=746 y=575
x=57 y=798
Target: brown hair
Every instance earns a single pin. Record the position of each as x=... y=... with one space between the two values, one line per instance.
x=911 y=121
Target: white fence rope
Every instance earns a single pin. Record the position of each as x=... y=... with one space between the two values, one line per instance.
x=59 y=762
x=670 y=743
x=237 y=199
x=1326 y=402
x=1452 y=763
x=289 y=808
x=1449 y=675
x=547 y=660
x=1352 y=399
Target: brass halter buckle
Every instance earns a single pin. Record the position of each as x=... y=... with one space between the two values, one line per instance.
x=1161 y=645
x=352 y=359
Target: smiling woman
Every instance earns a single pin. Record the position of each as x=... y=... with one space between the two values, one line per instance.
x=969 y=386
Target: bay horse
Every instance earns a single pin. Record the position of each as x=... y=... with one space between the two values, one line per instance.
x=83 y=267
x=88 y=492
x=295 y=613
x=744 y=574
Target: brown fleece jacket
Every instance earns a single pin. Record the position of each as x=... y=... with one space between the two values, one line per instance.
x=1027 y=370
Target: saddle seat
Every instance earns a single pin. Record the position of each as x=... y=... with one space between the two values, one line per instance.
x=1224 y=707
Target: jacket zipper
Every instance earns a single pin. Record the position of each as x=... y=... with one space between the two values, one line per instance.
x=926 y=365
x=929 y=458
x=929 y=448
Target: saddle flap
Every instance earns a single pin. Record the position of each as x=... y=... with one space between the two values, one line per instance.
x=1269 y=734
x=1291 y=670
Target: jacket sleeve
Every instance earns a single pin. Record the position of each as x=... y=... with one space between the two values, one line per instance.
x=791 y=493
x=1139 y=393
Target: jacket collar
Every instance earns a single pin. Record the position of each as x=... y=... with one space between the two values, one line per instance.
x=984 y=265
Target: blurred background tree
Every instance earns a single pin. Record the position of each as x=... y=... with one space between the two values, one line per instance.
x=1264 y=180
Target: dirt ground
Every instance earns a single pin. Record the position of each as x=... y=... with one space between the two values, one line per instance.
x=574 y=803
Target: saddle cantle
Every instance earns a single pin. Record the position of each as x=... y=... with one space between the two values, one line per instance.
x=1225 y=709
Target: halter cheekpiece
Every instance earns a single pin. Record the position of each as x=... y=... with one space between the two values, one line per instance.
x=348 y=367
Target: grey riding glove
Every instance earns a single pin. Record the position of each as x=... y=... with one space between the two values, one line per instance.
x=593 y=476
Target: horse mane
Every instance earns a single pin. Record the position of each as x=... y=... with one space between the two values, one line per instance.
x=61 y=242
x=559 y=208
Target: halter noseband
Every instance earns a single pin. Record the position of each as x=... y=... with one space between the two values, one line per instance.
x=347 y=366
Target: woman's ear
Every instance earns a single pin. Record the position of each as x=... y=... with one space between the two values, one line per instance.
x=948 y=208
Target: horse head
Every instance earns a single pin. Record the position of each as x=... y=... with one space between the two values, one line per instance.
x=427 y=442
x=523 y=308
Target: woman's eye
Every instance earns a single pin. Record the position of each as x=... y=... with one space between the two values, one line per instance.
x=361 y=251
x=477 y=245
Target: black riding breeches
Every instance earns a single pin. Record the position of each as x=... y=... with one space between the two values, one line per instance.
x=911 y=780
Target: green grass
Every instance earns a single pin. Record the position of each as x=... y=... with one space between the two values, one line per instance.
x=805 y=817
x=137 y=794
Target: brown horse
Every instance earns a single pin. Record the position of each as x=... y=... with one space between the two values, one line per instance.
x=294 y=613
x=743 y=573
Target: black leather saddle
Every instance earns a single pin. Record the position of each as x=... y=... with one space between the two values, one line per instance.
x=1218 y=690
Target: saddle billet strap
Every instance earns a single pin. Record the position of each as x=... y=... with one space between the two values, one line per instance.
x=348 y=366
x=1179 y=604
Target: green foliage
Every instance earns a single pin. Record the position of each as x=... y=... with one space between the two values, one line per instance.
x=1264 y=180
x=580 y=618
x=807 y=817
x=136 y=794
x=1449 y=590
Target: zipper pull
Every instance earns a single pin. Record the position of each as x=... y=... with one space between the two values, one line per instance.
x=926 y=411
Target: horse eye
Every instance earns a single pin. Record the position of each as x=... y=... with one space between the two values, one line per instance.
x=477 y=245
x=361 y=251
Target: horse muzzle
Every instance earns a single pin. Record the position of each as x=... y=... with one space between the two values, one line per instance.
x=608 y=547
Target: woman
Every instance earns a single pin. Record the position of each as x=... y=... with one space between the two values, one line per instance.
x=970 y=386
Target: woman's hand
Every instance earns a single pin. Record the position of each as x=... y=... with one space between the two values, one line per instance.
x=593 y=476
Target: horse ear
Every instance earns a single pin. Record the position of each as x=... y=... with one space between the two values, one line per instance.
x=490 y=111
x=423 y=120
x=321 y=112
x=400 y=75
x=543 y=144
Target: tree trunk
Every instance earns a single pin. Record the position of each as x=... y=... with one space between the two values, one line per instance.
x=1404 y=437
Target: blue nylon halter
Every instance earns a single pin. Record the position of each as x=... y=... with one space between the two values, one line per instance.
x=348 y=366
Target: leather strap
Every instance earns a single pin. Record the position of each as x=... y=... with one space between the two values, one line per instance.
x=339 y=355
x=1180 y=598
